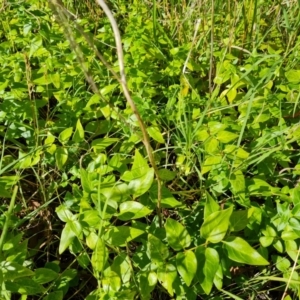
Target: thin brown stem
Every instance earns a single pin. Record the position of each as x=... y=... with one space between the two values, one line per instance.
x=131 y=103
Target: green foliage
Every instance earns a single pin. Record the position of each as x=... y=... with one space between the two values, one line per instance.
x=221 y=107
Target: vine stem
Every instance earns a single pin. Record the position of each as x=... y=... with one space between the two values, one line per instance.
x=131 y=103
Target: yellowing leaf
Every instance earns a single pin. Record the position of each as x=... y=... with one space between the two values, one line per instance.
x=226 y=136
x=210 y=162
x=155 y=133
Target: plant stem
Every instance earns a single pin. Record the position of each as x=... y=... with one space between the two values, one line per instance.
x=7 y=219
x=131 y=103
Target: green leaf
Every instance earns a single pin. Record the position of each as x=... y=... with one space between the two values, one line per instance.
x=57 y=295
x=130 y=210
x=65 y=135
x=210 y=162
x=238 y=186
x=215 y=226
x=85 y=181
x=64 y=213
x=293 y=76
x=186 y=263
x=208 y=264
x=44 y=275
x=140 y=166
x=61 y=156
x=111 y=281
x=240 y=251
x=120 y=235
x=12 y=270
x=67 y=237
x=99 y=256
x=211 y=205
x=167 y=199
x=122 y=266
x=157 y=251
x=78 y=135
x=147 y=283
x=167 y=274
x=177 y=236
x=108 y=88
x=226 y=136
x=55 y=78
x=239 y=220
x=99 y=145
x=24 y=286
x=35 y=44
x=139 y=186
x=166 y=175
x=155 y=134
x=211 y=146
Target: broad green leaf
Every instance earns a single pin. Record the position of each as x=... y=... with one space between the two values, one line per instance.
x=226 y=136
x=239 y=220
x=166 y=275
x=120 y=235
x=24 y=286
x=91 y=217
x=111 y=281
x=91 y=240
x=210 y=162
x=186 y=263
x=108 y=88
x=65 y=135
x=55 y=78
x=155 y=133
x=35 y=44
x=211 y=205
x=64 y=213
x=67 y=237
x=231 y=95
x=215 y=226
x=157 y=251
x=122 y=266
x=292 y=249
x=293 y=76
x=78 y=135
x=86 y=183
x=140 y=165
x=212 y=146
x=139 y=186
x=166 y=175
x=147 y=283
x=238 y=186
x=61 y=156
x=208 y=264
x=132 y=210
x=99 y=256
x=44 y=275
x=12 y=270
x=118 y=192
x=177 y=236
x=50 y=139
x=167 y=199
x=99 y=145
x=218 y=280
x=57 y=295
x=95 y=99
x=240 y=251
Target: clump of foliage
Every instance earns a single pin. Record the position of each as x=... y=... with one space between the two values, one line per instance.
x=220 y=100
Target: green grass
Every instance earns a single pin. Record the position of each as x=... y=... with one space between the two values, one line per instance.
x=216 y=84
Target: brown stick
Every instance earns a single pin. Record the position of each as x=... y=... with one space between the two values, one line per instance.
x=142 y=126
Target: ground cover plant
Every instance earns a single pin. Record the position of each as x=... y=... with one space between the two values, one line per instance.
x=211 y=212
